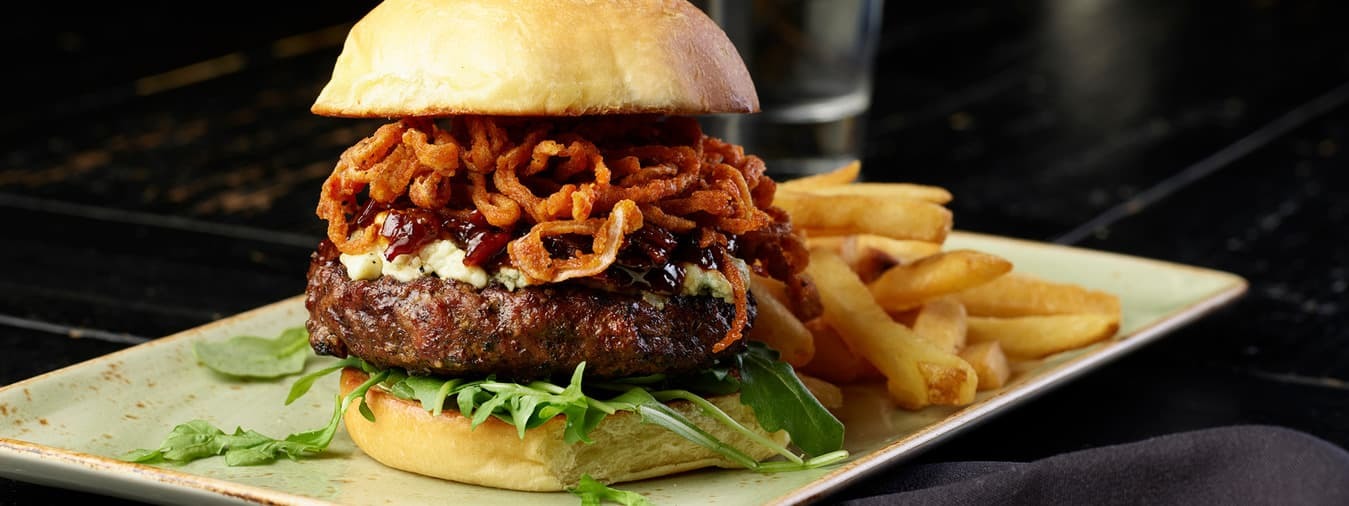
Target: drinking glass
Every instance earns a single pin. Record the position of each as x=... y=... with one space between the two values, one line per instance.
x=811 y=61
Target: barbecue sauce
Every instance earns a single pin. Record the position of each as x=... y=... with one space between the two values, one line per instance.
x=652 y=257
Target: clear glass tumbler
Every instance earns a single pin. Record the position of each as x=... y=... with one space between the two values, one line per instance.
x=811 y=61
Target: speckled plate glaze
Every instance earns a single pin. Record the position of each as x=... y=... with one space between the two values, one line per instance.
x=65 y=428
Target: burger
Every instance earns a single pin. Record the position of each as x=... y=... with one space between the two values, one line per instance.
x=539 y=269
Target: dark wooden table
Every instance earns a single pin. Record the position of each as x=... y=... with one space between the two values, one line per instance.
x=159 y=169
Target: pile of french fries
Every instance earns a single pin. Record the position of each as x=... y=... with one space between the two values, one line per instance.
x=936 y=325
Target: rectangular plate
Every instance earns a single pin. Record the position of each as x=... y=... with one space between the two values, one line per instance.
x=65 y=428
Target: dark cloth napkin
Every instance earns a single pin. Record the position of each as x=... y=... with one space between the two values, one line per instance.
x=1228 y=465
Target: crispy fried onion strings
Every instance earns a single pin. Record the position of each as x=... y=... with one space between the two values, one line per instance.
x=624 y=219
x=602 y=177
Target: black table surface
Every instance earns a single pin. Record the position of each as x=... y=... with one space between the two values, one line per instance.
x=159 y=170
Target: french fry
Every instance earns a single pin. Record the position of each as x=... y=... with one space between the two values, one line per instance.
x=900 y=250
x=867 y=262
x=1029 y=337
x=917 y=372
x=1019 y=294
x=833 y=360
x=989 y=363
x=869 y=255
x=842 y=215
x=763 y=285
x=933 y=194
x=909 y=286
x=935 y=326
x=942 y=322
x=840 y=176
x=779 y=329
x=829 y=242
x=829 y=395
x=904 y=251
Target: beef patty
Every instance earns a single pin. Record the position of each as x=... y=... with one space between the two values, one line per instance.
x=444 y=327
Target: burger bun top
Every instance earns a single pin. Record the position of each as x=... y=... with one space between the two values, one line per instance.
x=536 y=58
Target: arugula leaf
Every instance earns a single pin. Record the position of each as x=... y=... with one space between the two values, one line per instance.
x=256 y=357
x=431 y=392
x=833 y=457
x=531 y=405
x=594 y=493
x=781 y=402
x=656 y=412
x=714 y=381
x=199 y=439
x=523 y=406
x=768 y=386
x=725 y=420
x=306 y=382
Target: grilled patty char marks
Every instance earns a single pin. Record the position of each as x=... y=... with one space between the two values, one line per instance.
x=448 y=328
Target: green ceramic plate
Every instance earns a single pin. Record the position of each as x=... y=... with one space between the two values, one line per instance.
x=65 y=428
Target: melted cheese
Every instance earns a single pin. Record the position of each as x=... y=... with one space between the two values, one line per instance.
x=440 y=258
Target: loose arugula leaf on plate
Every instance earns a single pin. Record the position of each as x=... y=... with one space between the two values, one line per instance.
x=256 y=357
x=594 y=493
x=199 y=439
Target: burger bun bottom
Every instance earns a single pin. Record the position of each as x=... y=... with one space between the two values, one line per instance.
x=405 y=436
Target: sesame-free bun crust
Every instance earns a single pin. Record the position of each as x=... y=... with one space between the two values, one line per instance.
x=405 y=436
x=536 y=57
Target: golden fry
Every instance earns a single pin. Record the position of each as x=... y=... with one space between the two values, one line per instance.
x=833 y=360
x=779 y=329
x=1026 y=337
x=909 y=286
x=903 y=251
x=766 y=286
x=896 y=307
x=1019 y=294
x=869 y=255
x=989 y=363
x=933 y=194
x=917 y=372
x=830 y=395
x=868 y=263
x=829 y=242
x=942 y=322
x=840 y=176
x=842 y=215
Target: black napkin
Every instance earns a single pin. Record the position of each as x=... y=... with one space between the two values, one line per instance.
x=1228 y=465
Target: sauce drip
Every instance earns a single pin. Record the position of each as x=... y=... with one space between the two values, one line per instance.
x=481 y=241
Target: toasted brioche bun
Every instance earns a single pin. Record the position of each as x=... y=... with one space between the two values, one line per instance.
x=405 y=436
x=536 y=57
